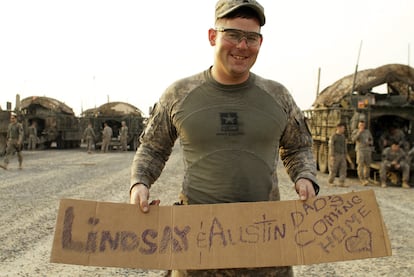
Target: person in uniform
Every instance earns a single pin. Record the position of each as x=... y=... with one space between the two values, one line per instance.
x=410 y=161
x=14 y=142
x=232 y=124
x=337 y=156
x=394 y=158
x=123 y=136
x=106 y=137
x=32 y=136
x=89 y=137
x=363 y=140
x=393 y=134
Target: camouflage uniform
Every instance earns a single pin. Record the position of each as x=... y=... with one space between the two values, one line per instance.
x=393 y=134
x=363 y=148
x=337 y=158
x=106 y=138
x=89 y=138
x=231 y=137
x=14 y=143
x=123 y=137
x=394 y=160
x=410 y=156
x=32 y=137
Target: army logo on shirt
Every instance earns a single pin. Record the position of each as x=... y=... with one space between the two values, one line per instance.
x=229 y=122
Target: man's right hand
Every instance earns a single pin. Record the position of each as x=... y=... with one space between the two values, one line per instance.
x=140 y=195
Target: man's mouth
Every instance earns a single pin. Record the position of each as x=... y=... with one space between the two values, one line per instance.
x=239 y=57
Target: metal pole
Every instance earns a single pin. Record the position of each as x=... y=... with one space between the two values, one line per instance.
x=356 y=68
x=319 y=80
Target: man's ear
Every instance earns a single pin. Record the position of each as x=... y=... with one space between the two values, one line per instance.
x=212 y=35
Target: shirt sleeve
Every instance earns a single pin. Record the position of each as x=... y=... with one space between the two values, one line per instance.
x=157 y=142
x=296 y=146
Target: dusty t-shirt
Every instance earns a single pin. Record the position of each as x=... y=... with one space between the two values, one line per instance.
x=230 y=136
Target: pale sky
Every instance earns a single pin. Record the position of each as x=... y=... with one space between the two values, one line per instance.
x=86 y=52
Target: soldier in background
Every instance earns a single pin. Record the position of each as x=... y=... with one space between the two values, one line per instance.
x=14 y=142
x=89 y=137
x=106 y=137
x=410 y=155
x=410 y=159
x=363 y=147
x=393 y=134
x=32 y=136
x=124 y=136
x=337 y=156
x=394 y=158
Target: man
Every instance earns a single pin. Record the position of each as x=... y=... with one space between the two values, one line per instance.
x=14 y=142
x=106 y=137
x=32 y=136
x=393 y=134
x=394 y=158
x=89 y=137
x=337 y=156
x=232 y=124
x=123 y=136
x=363 y=148
x=410 y=155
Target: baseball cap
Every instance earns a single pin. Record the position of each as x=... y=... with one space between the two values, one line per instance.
x=224 y=7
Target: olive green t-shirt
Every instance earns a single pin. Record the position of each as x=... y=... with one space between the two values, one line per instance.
x=230 y=137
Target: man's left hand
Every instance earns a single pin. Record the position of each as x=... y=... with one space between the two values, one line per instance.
x=304 y=188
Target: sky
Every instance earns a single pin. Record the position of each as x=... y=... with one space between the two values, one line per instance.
x=88 y=52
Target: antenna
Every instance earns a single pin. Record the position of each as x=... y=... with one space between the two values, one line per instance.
x=356 y=68
x=319 y=81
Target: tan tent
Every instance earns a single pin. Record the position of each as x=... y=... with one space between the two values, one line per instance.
x=113 y=108
x=399 y=79
x=47 y=103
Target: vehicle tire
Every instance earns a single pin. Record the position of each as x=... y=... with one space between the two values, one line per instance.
x=60 y=143
x=323 y=158
x=46 y=145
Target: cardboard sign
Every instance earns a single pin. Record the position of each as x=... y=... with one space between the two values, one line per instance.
x=323 y=229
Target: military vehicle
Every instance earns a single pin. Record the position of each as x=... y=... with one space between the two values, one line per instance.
x=4 y=123
x=358 y=96
x=56 y=122
x=114 y=113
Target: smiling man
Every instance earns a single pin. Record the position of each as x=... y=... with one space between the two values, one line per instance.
x=232 y=125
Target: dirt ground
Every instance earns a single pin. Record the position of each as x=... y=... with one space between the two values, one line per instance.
x=29 y=201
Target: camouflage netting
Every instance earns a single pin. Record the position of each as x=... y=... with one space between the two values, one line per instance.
x=113 y=108
x=399 y=79
x=47 y=103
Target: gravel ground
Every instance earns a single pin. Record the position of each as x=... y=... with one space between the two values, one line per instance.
x=29 y=201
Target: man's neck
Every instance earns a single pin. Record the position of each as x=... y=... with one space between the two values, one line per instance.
x=228 y=79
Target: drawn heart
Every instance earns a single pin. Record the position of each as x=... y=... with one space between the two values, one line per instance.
x=362 y=241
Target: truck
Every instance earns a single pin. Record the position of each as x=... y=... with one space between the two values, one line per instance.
x=361 y=96
x=4 y=123
x=55 y=121
x=113 y=113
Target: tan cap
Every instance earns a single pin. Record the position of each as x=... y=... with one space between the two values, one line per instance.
x=224 y=7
